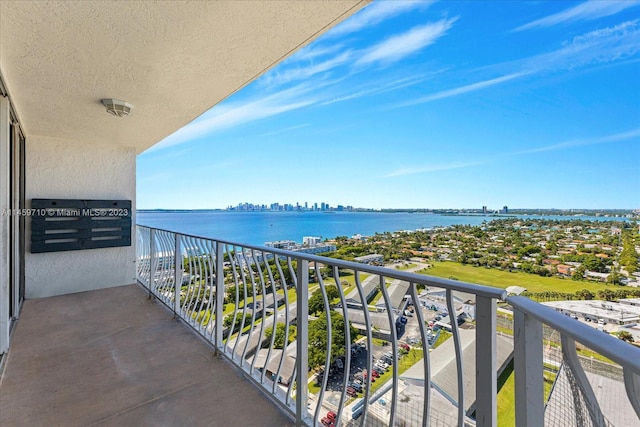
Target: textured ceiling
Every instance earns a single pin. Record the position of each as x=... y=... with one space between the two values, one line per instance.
x=172 y=60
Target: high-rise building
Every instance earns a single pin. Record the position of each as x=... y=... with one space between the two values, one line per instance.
x=505 y=210
x=484 y=210
x=311 y=240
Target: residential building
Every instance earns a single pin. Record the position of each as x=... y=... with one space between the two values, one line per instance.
x=311 y=240
x=370 y=259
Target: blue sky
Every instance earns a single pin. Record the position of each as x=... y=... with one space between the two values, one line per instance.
x=427 y=105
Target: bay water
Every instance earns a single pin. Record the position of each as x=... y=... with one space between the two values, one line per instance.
x=256 y=228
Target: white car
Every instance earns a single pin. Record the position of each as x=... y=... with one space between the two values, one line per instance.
x=382 y=364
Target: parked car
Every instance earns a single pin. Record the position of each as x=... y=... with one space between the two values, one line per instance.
x=382 y=364
x=327 y=422
x=356 y=386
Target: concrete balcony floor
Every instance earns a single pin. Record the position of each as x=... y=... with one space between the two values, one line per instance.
x=113 y=357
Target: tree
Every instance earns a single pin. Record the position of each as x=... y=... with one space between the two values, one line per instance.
x=625 y=336
x=594 y=263
x=606 y=294
x=614 y=278
x=278 y=342
x=316 y=302
x=578 y=273
x=585 y=294
x=332 y=292
x=318 y=338
x=629 y=258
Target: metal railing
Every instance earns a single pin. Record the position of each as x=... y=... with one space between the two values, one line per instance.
x=348 y=343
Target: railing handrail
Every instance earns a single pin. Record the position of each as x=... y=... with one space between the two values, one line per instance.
x=620 y=352
x=529 y=316
x=454 y=285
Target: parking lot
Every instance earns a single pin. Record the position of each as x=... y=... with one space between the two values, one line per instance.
x=409 y=335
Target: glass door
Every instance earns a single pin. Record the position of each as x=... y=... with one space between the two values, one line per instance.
x=17 y=220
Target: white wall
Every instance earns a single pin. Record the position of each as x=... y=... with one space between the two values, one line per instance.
x=4 y=225
x=57 y=168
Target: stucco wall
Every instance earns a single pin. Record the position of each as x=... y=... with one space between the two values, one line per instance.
x=57 y=168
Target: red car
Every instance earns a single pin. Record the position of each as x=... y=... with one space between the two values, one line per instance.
x=327 y=422
x=374 y=374
x=331 y=415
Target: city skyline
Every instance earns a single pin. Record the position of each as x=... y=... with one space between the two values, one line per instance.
x=320 y=207
x=427 y=105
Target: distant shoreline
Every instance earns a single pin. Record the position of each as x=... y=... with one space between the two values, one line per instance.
x=606 y=213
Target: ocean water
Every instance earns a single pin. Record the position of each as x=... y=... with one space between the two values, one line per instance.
x=256 y=228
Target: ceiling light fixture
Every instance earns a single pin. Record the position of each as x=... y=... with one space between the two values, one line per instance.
x=117 y=107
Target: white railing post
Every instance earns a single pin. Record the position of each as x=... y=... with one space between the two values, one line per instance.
x=302 y=340
x=219 y=307
x=177 y=274
x=486 y=376
x=528 y=367
x=153 y=260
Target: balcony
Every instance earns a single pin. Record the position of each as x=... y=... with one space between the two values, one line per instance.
x=115 y=357
x=267 y=326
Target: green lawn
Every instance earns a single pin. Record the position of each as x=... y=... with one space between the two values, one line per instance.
x=506 y=396
x=506 y=403
x=503 y=279
x=444 y=335
x=408 y=360
x=349 y=278
x=405 y=266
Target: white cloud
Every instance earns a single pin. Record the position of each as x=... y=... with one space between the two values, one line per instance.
x=608 y=139
x=300 y=72
x=375 y=13
x=229 y=116
x=402 y=45
x=288 y=129
x=463 y=89
x=393 y=49
x=376 y=88
x=635 y=133
x=586 y=11
x=432 y=168
x=596 y=47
